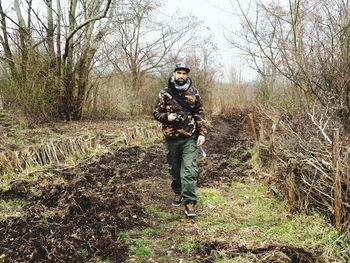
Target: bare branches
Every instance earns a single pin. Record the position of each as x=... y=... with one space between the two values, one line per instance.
x=305 y=42
x=315 y=172
x=321 y=123
x=5 y=41
x=76 y=29
x=144 y=43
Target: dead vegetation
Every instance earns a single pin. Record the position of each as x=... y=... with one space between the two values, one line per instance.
x=53 y=152
x=267 y=253
x=307 y=159
x=38 y=149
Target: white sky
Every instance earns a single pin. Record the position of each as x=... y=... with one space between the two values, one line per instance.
x=217 y=15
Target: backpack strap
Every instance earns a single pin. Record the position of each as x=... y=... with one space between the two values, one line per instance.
x=180 y=100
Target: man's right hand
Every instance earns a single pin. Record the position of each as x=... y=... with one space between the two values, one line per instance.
x=171 y=116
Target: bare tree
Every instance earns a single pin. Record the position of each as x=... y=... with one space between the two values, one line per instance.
x=202 y=59
x=51 y=48
x=306 y=42
x=77 y=62
x=143 y=42
x=39 y=60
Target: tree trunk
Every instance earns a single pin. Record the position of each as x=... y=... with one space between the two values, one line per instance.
x=6 y=45
x=78 y=94
x=50 y=36
x=24 y=42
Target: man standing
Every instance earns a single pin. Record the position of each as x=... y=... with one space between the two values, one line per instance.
x=179 y=108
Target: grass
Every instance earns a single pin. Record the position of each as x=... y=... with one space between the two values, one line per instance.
x=6 y=178
x=246 y=212
x=187 y=246
x=5 y=187
x=162 y=196
x=49 y=214
x=235 y=160
x=85 y=253
x=138 y=248
x=123 y=235
x=149 y=232
x=247 y=258
x=12 y=206
x=221 y=260
x=210 y=197
x=159 y=214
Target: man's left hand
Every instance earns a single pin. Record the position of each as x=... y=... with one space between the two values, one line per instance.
x=200 y=140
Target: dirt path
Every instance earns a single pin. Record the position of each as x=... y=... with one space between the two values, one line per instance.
x=227 y=138
x=117 y=208
x=171 y=237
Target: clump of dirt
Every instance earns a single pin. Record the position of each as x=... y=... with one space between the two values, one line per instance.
x=76 y=220
x=269 y=253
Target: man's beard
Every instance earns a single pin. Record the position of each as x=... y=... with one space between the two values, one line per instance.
x=181 y=82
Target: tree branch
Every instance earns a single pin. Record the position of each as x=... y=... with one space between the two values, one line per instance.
x=82 y=25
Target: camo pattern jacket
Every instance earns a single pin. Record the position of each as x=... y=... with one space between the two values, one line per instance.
x=188 y=123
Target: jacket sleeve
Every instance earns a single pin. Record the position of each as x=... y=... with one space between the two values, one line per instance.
x=159 y=110
x=199 y=116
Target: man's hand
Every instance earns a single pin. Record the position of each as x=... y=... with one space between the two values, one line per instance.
x=171 y=116
x=200 y=140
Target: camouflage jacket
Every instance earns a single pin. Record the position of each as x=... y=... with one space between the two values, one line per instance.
x=190 y=120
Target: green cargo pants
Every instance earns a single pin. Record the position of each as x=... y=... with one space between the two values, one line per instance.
x=181 y=156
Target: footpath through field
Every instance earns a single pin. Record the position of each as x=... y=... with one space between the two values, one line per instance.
x=238 y=219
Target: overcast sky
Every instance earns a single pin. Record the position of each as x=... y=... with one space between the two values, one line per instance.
x=217 y=15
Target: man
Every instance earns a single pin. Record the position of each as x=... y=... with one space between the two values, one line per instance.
x=179 y=108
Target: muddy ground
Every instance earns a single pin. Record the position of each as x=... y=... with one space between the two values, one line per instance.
x=75 y=215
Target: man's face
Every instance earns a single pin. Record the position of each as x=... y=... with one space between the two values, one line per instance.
x=181 y=75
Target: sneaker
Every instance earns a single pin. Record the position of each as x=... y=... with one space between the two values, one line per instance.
x=189 y=210
x=177 y=200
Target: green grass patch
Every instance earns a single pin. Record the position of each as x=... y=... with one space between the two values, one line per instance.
x=163 y=215
x=159 y=214
x=187 y=246
x=224 y=260
x=11 y=206
x=5 y=187
x=162 y=196
x=141 y=248
x=211 y=197
x=235 y=160
x=123 y=235
x=165 y=226
x=149 y=232
x=48 y=214
x=248 y=213
x=85 y=253
x=6 y=178
x=313 y=232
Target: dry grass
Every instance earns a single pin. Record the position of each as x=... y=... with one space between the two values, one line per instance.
x=303 y=171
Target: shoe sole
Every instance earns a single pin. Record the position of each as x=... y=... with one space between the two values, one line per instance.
x=177 y=204
x=190 y=214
